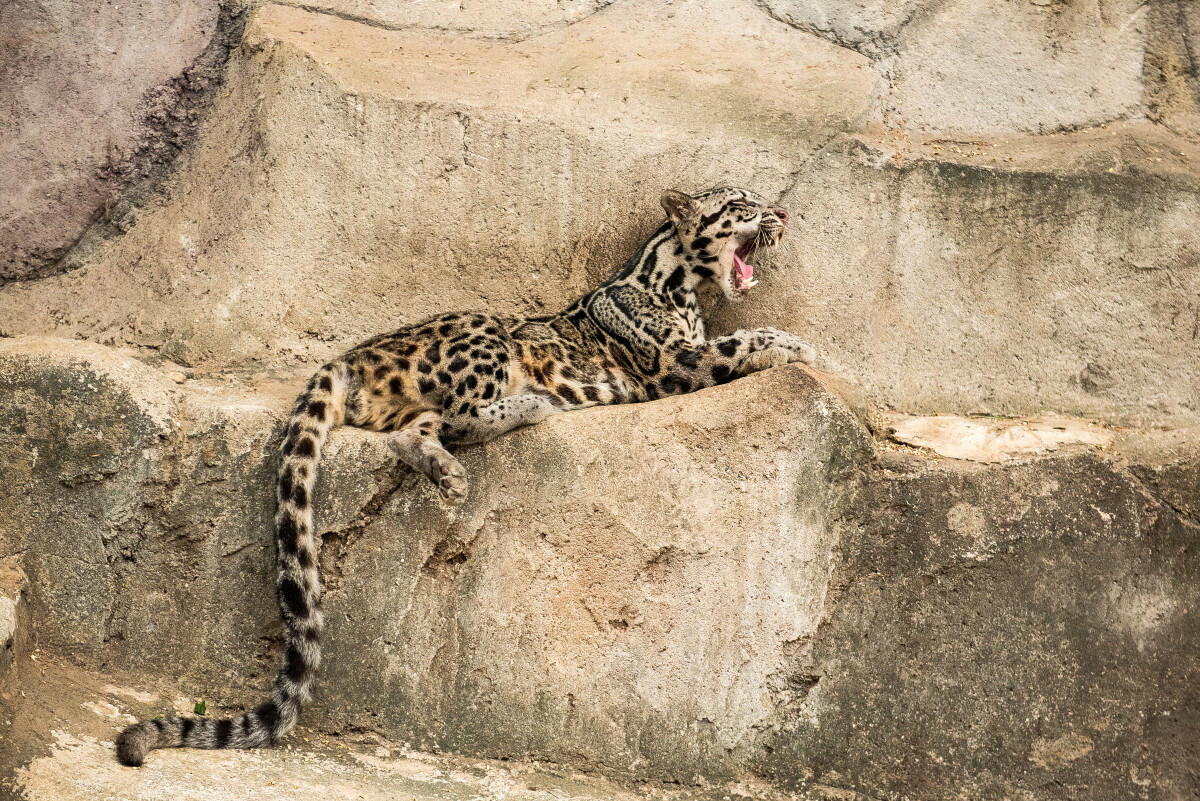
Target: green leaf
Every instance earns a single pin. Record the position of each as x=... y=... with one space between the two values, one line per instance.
x=200 y=708
x=159 y=716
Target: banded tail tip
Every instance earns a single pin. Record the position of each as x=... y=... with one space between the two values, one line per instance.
x=133 y=744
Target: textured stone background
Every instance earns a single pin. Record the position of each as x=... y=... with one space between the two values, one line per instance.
x=355 y=174
x=95 y=101
x=995 y=213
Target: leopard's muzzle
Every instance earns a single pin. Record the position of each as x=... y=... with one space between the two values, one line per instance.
x=769 y=234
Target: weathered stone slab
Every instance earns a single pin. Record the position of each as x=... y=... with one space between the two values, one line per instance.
x=977 y=67
x=591 y=598
x=994 y=440
x=1011 y=278
x=84 y=91
x=357 y=178
x=733 y=583
x=994 y=632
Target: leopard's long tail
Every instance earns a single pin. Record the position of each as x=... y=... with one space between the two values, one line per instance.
x=318 y=409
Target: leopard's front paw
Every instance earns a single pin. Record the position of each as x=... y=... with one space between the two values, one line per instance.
x=803 y=352
x=450 y=478
x=764 y=360
x=453 y=489
x=774 y=339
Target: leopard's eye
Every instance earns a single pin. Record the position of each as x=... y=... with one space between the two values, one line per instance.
x=743 y=209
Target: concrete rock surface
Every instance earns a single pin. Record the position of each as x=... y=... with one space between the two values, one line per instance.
x=91 y=98
x=353 y=178
x=736 y=584
x=68 y=715
x=780 y=586
x=573 y=558
x=976 y=67
x=1008 y=277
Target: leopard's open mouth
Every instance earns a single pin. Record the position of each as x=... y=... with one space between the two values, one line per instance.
x=739 y=280
x=768 y=236
x=743 y=271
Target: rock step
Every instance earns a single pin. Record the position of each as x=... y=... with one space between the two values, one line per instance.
x=736 y=584
x=396 y=174
x=1009 y=276
x=67 y=755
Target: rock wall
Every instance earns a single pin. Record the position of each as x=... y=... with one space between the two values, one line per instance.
x=354 y=177
x=997 y=632
x=994 y=212
x=975 y=67
x=737 y=584
x=95 y=104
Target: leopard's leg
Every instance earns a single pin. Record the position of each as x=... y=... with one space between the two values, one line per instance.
x=418 y=446
x=723 y=359
x=488 y=421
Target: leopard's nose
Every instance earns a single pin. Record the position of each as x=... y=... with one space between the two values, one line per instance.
x=781 y=214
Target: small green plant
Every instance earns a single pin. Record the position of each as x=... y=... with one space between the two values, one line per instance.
x=159 y=716
x=200 y=708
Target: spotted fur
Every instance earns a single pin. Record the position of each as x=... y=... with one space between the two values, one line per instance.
x=462 y=378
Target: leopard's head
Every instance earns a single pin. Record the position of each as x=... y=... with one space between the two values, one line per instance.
x=720 y=230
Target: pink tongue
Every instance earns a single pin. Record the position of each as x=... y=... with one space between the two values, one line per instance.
x=744 y=271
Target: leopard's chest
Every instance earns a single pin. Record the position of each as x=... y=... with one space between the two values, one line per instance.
x=694 y=326
x=691 y=323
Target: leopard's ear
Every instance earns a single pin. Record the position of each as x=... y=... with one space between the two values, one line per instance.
x=680 y=206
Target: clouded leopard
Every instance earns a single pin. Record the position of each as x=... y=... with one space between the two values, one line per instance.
x=469 y=377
